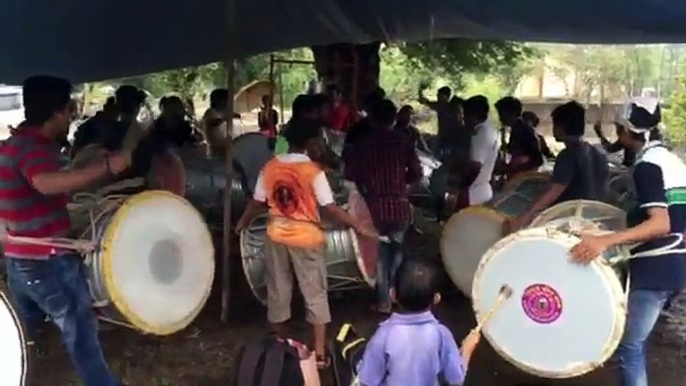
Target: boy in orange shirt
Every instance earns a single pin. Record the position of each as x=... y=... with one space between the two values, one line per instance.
x=294 y=187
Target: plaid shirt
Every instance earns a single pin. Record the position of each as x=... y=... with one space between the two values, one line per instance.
x=382 y=164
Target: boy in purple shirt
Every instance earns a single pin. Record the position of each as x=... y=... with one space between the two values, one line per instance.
x=412 y=347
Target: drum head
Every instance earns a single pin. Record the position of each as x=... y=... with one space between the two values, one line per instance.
x=158 y=262
x=367 y=250
x=466 y=237
x=13 y=350
x=252 y=255
x=606 y=216
x=251 y=151
x=563 y=319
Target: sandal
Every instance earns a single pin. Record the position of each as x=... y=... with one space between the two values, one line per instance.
x=323 y=362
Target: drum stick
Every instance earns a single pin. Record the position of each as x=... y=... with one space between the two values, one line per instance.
x=503 y=295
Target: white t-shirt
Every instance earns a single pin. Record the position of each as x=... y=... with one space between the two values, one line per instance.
x=320 y=185
x=484 y=151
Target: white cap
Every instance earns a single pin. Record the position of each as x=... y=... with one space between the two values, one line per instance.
x=627 y=118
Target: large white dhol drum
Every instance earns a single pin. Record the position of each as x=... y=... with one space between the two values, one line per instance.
x=563 y=320
x=470 y=232
x=14 y=348
x=350 y=261
x=153 y=265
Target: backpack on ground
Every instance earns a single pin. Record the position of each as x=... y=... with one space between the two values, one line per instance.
x=347 y=349
x=270 y=362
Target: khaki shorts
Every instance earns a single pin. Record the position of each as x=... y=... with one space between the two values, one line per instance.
x=309 y=267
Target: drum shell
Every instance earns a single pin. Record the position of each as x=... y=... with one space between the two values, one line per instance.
x=15 y=330
x=341 y=254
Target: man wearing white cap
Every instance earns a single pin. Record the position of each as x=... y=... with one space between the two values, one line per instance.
x=658 y=264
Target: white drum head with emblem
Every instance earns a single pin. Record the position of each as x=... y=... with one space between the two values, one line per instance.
x=13 y=349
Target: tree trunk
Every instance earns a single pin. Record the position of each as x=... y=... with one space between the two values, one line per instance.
x=354 y=68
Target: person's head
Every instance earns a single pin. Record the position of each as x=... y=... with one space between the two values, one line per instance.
x=416 y=286
x=303 y=107
x=443 y=94
x=405 y=115
x=530 y=118
x=475 y=111
x=47 y=104
x=334 y=94
x=569 y=121
x=219 y=98
x=378 y=94
x=110 y=108
x=456 y=104
x=129 y=100
x=266 y=101
x=384 y=114
x=172 y=108
x=509 y=110
x=303 y=135
x=322 y=107
x=638 y=122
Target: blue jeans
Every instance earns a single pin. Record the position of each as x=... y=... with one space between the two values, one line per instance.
x=643 y=310
x=390 y=258
x=58 y=288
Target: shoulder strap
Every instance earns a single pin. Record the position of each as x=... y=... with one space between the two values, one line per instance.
x=273 y=365
x=248 y=366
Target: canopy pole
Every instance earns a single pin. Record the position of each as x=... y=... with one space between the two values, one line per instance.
x=227 y=235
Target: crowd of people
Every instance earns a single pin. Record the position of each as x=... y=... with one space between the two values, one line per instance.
x=380 y=157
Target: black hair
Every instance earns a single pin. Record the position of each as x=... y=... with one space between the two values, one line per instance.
x=476 y=106
x=640 y=117
x=416 y=284
x=319 y=100
x=332 y=89
x=405 y=109
x=111 y=102
x=43 y=97
x=300 y=131
x=378 y=94
x=384 y=112
x=265 y=98
x=445 y=90
x=571 y=116
x=129 y=99
x=456 y=101
x=219 y=98
x=510 y=105
x=531 y=116
x=302 y=105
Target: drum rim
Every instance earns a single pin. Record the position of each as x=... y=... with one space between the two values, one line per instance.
x=116 y=295
x=547 y=214
x=358 y=258
x=608 y=274
x=244 y=260
x=476 y=209
x=26 y=365
x=514 y=182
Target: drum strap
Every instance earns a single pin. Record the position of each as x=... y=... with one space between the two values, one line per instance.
x=248 y=369
x=273 y=366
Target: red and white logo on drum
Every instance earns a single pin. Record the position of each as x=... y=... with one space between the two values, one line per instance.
x=542 y=303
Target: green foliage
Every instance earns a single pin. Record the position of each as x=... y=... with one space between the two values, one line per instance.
x=674 y=117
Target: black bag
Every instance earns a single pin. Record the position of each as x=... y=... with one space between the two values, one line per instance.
x=270 y=362
x=348 y=349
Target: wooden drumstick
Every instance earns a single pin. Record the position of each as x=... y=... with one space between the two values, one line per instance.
x=503 y=295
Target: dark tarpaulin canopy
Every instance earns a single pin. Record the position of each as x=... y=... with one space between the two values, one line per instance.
x=87 y=40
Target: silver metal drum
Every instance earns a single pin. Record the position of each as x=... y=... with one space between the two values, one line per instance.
x=429 y=165
x=344 y=262
x=334 y=140
x=14 y=347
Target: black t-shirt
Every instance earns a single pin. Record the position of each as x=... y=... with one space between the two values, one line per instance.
x=583 y=169
x=666 y=272
x=356 y=132
x=524 y=143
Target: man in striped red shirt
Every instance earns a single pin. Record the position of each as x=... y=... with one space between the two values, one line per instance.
x=382 y=164
x=33 y=199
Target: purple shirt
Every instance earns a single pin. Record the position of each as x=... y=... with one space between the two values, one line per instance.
x=411 y=349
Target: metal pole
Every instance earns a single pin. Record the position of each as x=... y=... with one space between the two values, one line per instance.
x=226 y=241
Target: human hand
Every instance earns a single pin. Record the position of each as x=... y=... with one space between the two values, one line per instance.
x=470 y=342
x=590 y=248
x=118 y=162
x=511 y=225
x=367 y=232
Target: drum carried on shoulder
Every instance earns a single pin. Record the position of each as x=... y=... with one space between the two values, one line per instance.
x=472 y=231
x=14 y=346
x=153 y=264
x=350 y=260
x=563 y=319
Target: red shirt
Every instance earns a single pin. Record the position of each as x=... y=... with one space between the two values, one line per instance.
x=340 y=118
x=24 y=210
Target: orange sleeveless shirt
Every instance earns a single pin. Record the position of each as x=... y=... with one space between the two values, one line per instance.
x=293 y=208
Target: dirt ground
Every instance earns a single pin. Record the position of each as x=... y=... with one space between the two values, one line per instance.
x=205 y=353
